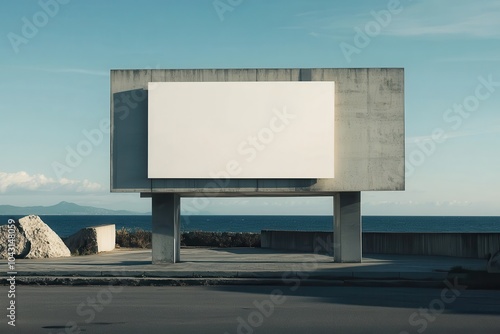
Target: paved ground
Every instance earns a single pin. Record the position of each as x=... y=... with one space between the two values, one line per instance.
x=252 y=309
x=243 y=263
x=231 y=305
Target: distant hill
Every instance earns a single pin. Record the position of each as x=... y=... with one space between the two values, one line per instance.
x=62 y=208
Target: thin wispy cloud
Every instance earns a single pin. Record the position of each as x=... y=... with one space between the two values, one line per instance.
x=308 y=13
x=448 y=18
x=328 y=23
x=452 y=134
x=19 y=182
x=435 y=19
x=482 y=26
x=82 y=71
x=292 y=28
x=470 y=58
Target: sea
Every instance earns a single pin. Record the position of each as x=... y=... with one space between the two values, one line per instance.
x=67 y=225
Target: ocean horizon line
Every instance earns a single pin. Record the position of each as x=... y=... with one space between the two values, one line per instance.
x=65 y=225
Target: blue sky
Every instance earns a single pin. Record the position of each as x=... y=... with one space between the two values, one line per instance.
x=54 y=86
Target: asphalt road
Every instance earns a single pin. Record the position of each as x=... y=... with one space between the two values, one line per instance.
x=250 y=309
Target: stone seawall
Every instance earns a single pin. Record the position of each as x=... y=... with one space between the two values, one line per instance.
x=473 y=245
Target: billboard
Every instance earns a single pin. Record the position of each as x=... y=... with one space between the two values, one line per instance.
x=257 y=132
x=248 y=130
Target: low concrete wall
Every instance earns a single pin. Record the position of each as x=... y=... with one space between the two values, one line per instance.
x=106 y=237
x=302 y=241
x=474 y=245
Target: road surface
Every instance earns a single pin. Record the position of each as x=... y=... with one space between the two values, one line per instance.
x=250 y=309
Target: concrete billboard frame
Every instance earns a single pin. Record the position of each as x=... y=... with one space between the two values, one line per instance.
x=369 y=148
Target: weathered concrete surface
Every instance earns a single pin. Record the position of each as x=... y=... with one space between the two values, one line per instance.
x=166 y=238
x=369 y=132
x=92 y=240
x=347 y=245
x=494 y=263
x=470 y=245
x=41 y=241
x=19 y=241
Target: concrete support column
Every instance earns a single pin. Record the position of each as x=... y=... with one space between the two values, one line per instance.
x=347 y=227
x=166 y=241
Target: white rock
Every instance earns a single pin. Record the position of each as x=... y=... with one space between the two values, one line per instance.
x=42 y=241
x=18 y=241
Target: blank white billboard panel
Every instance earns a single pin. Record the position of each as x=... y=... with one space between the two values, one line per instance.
x=241 y=130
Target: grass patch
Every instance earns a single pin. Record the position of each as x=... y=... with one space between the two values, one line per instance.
x=133 y=238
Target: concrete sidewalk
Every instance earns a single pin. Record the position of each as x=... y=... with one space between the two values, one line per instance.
x=238 y=266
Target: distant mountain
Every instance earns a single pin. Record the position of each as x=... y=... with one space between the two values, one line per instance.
x=63 y=208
